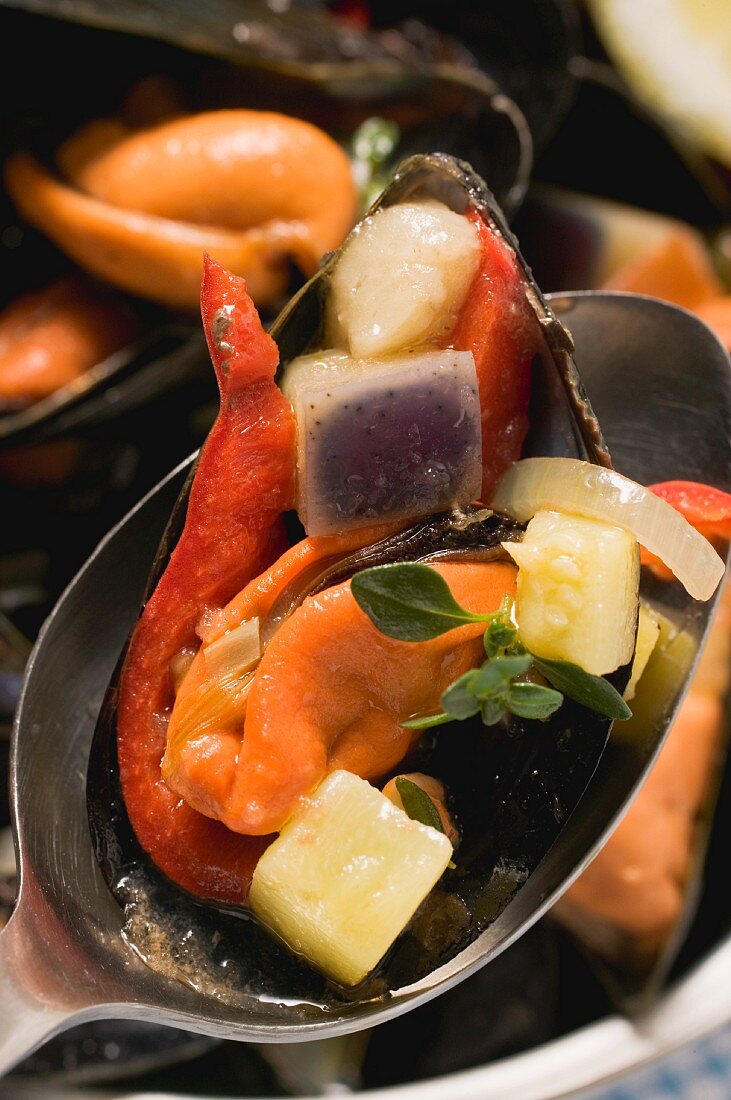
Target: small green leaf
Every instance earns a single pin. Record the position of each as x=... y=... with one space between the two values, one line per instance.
x=409 y=601
x=372 y=148
x=417 y=804
x=593 y=692
x=499 y=635
x=375 y=140
x=498 y=671
x=427 y=721
x=488 y=680
x=533 y=700
x=493 y=709
x=459 y=699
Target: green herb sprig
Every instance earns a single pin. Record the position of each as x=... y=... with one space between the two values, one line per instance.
x=413 y=603
x=372 y=149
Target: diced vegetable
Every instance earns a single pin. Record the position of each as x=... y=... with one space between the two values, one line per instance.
x=402 y=279
x=235 y=652
x=384 y=439
x=667 y=670
x=345 y=876
x=648 y=632
x=577 y=593
x=579 y=488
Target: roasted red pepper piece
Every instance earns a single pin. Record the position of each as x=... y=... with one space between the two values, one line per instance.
x=232 y=531
x=498 y=325
x=706 y=508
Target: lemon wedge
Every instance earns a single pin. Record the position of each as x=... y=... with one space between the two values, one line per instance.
x=676 y=57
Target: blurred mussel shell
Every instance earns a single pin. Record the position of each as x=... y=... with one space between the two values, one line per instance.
x=105 y=1050
x=610 y=144
x=528 y=47
x=228 y=54
x=387 y=51
x=336 y=72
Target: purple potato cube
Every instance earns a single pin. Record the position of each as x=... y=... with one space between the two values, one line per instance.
x=383 y=440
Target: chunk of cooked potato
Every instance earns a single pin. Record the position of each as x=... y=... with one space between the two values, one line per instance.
x=402 y=279
x=345 y=876
x=577 y=591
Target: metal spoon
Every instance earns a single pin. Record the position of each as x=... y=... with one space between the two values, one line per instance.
x=63 y=958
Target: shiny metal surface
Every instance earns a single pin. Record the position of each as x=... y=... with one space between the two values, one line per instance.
x=661 y=385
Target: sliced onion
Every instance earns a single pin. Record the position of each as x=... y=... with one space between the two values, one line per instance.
x=234 y=653
x=580 y=488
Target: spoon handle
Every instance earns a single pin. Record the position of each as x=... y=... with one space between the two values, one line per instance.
x=30 y=1009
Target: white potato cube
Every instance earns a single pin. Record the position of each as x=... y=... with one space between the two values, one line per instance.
x=577 y=591
x=402 y=279
x=345 y=876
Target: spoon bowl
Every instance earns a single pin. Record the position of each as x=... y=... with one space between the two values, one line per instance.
x=63 y=956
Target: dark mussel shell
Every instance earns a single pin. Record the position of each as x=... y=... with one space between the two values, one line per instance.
x=127 y=379
x=167 y=355
x=108 y=1050
x=336 y=73
x=528 y=47
x=515 y=790
x=610 y=145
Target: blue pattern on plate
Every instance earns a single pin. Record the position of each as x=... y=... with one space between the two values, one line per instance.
x=698 y=1072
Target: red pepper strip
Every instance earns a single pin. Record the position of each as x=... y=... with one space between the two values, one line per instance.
x=706 y=508
x=498 y=325
x=232 y=531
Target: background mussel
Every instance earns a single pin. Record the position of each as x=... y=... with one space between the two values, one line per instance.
x=338 y=75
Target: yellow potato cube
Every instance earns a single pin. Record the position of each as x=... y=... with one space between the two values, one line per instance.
x=345 y=876
x=577 y=591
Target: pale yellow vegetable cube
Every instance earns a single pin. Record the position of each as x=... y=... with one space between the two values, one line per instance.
x=648 y=632
x=345 y=876
x=577 y=591
x=402 y=279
